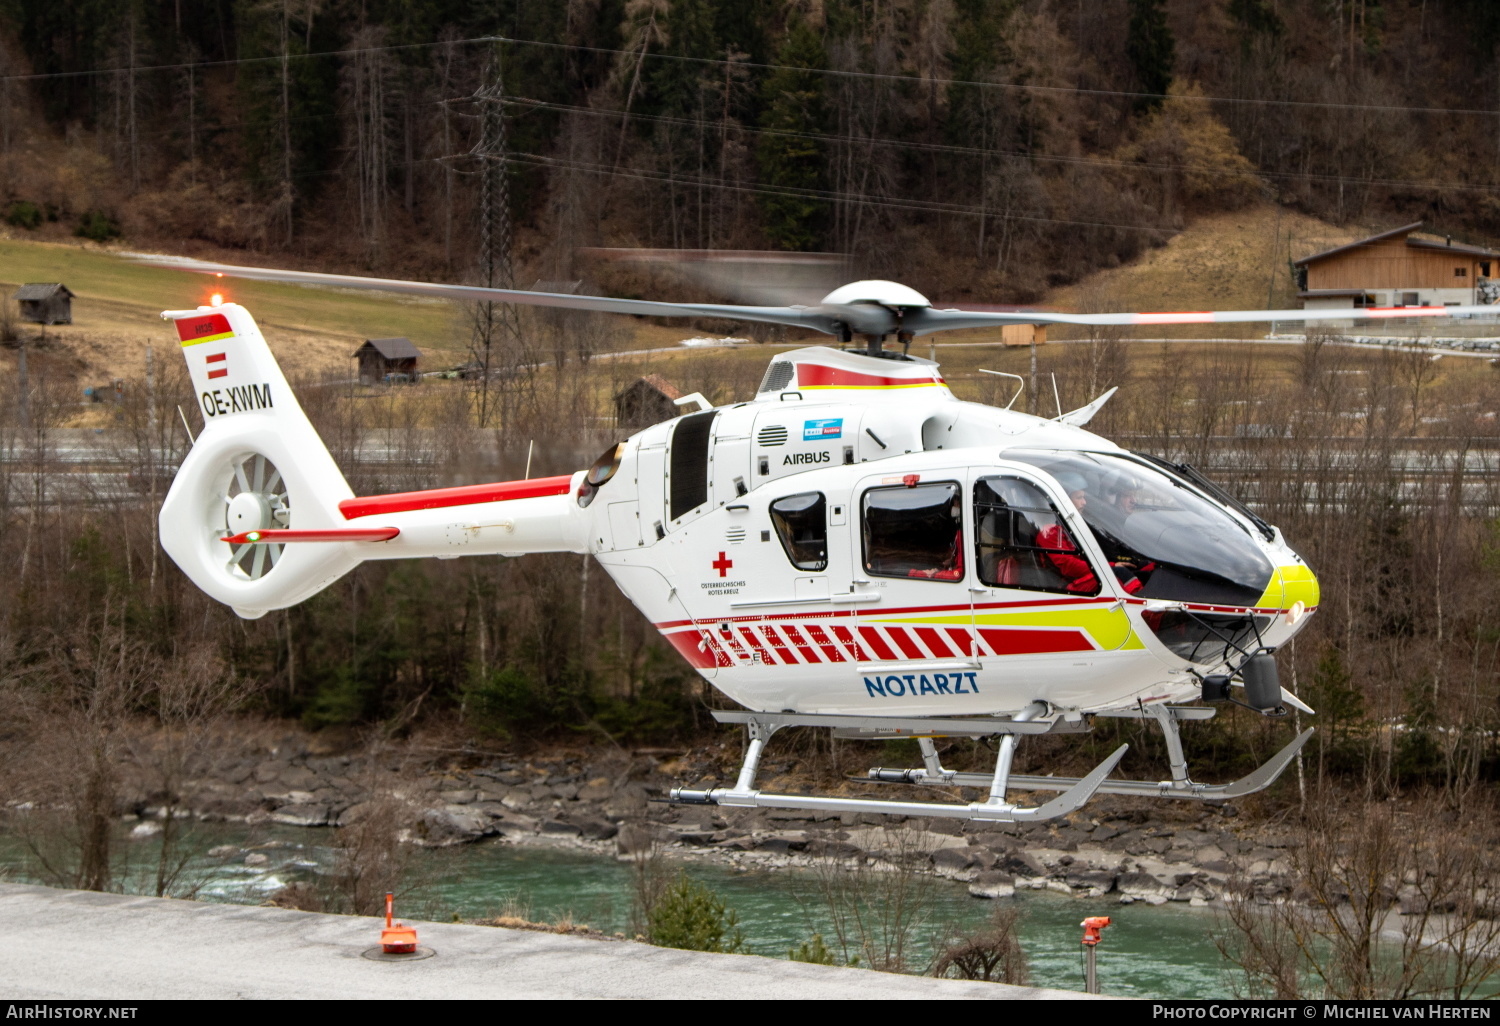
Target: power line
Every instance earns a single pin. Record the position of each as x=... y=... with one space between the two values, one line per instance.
x=720 y=62
x=931 y=206
x=912 y=144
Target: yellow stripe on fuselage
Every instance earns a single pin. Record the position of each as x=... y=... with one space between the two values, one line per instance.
x=1109 y=625
x=207 y=338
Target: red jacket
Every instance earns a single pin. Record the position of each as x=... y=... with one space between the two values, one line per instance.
x=1075 y=569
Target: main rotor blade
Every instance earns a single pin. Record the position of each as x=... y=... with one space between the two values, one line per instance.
x=925 y=322
x=796 y=316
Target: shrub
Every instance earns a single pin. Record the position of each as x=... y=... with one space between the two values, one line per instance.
x=23 y=214
x=691 y=916
x=992 y=953
x=98 y=226
x=814 y=951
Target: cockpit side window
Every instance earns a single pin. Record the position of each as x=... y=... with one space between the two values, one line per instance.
x=1021 y=542
x=915 y=532
x=801 y=522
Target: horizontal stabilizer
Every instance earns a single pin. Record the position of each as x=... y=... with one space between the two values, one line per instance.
x=275 y=536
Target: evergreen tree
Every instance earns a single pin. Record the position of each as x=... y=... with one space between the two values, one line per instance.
x=793 y=103
x=1151 y=50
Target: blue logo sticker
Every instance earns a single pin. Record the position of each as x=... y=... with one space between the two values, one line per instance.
x=822 y=430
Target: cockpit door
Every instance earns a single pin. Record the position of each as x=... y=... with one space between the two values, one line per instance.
x=1040 y=588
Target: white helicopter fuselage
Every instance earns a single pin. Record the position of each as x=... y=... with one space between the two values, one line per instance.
x=855 y=541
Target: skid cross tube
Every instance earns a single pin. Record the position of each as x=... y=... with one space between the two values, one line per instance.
x=762 y=725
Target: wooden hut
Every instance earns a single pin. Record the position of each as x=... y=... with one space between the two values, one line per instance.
x=45 y=303
x=646 y=401
x=1397 y=268
x=387 y=359
x=1023 y=334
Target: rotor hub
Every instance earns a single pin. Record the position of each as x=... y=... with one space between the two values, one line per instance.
x=248 y=511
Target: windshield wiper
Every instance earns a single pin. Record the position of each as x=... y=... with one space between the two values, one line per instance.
x=1214 y=491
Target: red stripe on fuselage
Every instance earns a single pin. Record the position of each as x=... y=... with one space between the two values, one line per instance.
x=877 y=643
x=466 y=495
x=812 y=375
x=934 y=642
x=906 y=643
x=803 y=648
x=1023 y=642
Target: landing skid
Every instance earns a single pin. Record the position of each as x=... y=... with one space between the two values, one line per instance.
x=1076 y=791
x=1180 y=786
x=995 y=808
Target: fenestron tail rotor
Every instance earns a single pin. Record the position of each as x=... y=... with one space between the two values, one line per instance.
x=255 y=499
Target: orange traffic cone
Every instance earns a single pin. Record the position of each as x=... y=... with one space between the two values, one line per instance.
x=396 y=939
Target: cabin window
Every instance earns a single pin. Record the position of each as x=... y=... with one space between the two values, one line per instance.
x=801 y=522
x=914 y=531
x=687 y=486
x=1021 y=542
x=1460 y=272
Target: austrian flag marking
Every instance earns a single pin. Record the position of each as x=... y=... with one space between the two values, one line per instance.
x=220 y=371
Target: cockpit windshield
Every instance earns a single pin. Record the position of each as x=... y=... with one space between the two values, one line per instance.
x=1158 y=529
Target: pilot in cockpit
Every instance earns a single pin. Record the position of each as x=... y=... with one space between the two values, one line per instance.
x=1074 y=568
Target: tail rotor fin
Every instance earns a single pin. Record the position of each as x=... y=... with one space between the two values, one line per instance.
x=259 y=464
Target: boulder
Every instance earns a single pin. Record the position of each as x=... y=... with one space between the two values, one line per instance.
x=1094 y=883
x=301 y=814
x=222 y=851
x=515 y=800
x=596 y=828
x=634 y=839
x=693 y=835
x=954 y=863
x=597 y=790
x=992 y=884
x=458 y=797
x=441 y=828
x=256 y=858
x=514 y=825
x=558 y=828
x=1146 y=886
x=299 y=778
x=1019 y=863
x=150 y=828
x=626 y=802
x=237 y=773
x=782 y=843
x=828 y=848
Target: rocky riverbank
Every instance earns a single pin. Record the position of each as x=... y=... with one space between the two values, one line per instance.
x=611 y=801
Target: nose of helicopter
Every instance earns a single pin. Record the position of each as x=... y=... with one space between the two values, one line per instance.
x=1292 y=586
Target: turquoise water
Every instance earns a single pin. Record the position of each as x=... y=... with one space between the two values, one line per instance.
x=1164 y=951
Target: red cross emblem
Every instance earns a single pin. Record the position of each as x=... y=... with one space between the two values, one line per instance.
x=722 y=565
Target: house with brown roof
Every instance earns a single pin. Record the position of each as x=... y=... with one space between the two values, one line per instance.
x=646 y=401
x=1399 y=268
x=45 y=303
x=387 y=360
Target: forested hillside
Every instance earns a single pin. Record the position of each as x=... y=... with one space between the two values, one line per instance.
x=969 y=147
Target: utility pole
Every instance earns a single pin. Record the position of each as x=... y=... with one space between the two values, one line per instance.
x=494 y=322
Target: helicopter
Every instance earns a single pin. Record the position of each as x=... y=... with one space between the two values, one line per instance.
x=855 y=548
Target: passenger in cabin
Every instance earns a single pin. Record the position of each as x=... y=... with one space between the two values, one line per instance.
x=952 y=566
